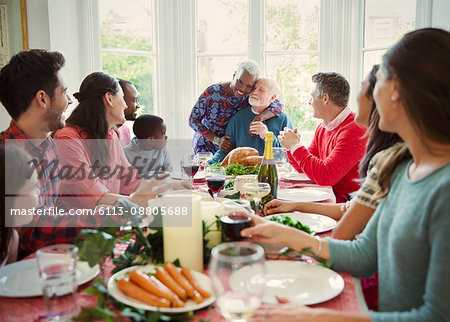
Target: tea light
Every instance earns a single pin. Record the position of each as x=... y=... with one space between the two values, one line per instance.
x=184 y=243
x=209 y=210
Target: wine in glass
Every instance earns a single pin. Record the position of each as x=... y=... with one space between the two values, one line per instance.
x=215 y=179
x=190 y=166
x=238 y=279
x=236 y=217
x=256 y=191
x=242 y=203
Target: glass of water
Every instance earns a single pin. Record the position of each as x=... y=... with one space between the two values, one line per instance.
x=279 y=157
x=203 y=158
x=57 y=265
x=237 y=274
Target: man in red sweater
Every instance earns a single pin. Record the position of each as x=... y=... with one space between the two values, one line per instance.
x=338 y=145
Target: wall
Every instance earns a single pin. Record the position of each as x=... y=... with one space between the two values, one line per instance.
x=54 y=25
x=440 y=15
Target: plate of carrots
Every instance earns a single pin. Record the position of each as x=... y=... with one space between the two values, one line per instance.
x=166 y=289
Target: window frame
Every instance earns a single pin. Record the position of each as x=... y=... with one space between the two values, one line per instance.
x=133 y=52
x=175 y=57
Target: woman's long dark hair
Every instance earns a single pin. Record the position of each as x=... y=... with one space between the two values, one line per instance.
x=419 y=62
x=90 y=114
x=378 y=140
x=18 y=168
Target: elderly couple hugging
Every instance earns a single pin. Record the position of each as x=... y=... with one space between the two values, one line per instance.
x=237 y=113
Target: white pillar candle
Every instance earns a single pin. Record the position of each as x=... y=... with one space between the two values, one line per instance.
x=209 y=210
x=184 y=243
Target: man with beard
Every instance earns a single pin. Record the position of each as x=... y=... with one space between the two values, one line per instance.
x=245 y=132
x=35 y=96
x=219 y=102
x=130 y=95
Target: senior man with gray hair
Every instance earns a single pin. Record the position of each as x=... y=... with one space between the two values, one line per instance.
x=217 y=105
x=260 y=99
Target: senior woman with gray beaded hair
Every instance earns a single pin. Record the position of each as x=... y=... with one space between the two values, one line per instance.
x=219 y=102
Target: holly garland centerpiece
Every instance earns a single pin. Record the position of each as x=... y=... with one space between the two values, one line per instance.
x=144 y=246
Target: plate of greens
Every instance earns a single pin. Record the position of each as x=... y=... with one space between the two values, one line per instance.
x=304 y=221
x=234 y=170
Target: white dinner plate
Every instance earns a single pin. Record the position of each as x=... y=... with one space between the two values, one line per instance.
x=202 y=280
x=21 y=279
x=300 y=282
x=303 y=194
x=315 y=222
x=295 y=176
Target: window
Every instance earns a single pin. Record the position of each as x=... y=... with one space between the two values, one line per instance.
x=127 y=45
x=385 y=22
x=291 y=54
x=287 y=51
x=200 y=42
x=222 y=39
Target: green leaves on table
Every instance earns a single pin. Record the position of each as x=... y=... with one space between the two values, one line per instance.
x=239 y=169
x=142 y=250
x=229 y=185
x=288 y=221
x=94 y=245
x=107 y=306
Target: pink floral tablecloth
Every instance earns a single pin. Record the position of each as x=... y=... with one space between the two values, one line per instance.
x=32 y=308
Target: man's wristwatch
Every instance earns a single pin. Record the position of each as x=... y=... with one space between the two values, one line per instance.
x=216 y=140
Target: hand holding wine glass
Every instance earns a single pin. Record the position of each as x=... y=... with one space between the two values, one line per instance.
x=203 y=158
x=237 y=274
x=236 y=217
x=215 y=179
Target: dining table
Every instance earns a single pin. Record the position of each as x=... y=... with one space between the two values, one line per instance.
x=350 y=299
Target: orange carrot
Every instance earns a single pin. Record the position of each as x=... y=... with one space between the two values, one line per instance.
x=168 y=281
x=134 y=291
x=155 y=287
x=183 y=282
x=188 y=274
x=176 y=301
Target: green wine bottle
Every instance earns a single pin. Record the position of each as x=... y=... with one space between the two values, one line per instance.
x=267 y=171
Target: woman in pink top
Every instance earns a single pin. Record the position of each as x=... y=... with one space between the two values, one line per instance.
x=94 y=168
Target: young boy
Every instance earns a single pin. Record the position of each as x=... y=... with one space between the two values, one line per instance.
x=147 y=152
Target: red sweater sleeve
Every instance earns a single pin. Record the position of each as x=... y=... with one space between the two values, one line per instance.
x=349 y=148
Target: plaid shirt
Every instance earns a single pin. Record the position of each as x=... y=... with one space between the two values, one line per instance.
x=43 y=230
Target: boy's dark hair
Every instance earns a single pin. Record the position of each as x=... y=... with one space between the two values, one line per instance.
x=26 y=73
x=123 y=82
x=146 y=125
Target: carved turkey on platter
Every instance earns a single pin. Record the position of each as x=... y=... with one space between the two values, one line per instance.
x=246 y=156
